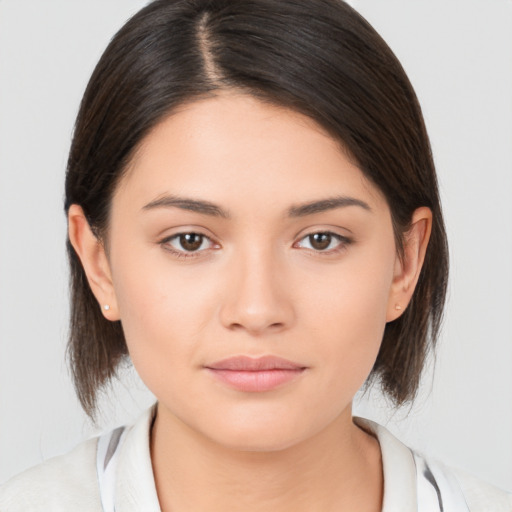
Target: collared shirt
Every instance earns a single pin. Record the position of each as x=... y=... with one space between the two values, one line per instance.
x=113 y=473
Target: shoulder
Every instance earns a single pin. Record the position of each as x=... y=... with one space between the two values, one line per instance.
x=481 y=496
x=454 y=489
x=414 y=482
x=110 y=472
x=63 y=483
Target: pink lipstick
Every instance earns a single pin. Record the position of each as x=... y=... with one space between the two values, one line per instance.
x=255 y=374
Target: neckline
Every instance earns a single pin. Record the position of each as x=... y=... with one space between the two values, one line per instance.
x=136 y=489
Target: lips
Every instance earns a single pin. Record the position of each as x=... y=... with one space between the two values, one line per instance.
x=250 y=364
x=255 y=374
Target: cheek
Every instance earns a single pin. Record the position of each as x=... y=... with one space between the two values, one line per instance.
x=163 y=312
x=357 y=291
x=349 y=307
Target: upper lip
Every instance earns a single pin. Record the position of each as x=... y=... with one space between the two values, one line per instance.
x=254 y=364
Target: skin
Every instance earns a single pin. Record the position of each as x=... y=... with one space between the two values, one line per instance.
x=258 y=285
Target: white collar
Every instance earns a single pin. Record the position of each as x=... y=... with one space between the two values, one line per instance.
x=127 y=477
x=398 y=467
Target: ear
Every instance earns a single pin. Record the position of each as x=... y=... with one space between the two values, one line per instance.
x=93 y=257
x=407 y=269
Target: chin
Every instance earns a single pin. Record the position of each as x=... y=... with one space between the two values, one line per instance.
x=264 y=435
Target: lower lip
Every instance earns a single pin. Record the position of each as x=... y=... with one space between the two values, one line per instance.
x=256 y=381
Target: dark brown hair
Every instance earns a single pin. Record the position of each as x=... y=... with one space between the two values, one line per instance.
x=318 y=57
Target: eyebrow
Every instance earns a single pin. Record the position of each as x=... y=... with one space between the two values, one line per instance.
x=323 y=205
x=300 y=210
x=193 y=205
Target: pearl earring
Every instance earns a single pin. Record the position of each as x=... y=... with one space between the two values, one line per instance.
x=106 y=307
x=398 y=307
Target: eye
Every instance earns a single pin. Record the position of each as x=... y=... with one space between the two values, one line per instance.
x=185 y=244
x=324 y=241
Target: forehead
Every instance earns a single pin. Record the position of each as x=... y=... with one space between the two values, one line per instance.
x=235 y=149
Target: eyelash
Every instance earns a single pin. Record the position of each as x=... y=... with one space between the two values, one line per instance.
x=183 y=254
x=343 y=243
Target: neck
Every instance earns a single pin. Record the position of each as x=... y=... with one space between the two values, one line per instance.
x=337 y=469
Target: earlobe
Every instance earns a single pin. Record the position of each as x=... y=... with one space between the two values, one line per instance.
x=94 y=260
x=408 y=268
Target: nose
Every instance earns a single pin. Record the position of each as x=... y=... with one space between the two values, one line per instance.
x=258 y=297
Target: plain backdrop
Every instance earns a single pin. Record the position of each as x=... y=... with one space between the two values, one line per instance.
x=458 y=55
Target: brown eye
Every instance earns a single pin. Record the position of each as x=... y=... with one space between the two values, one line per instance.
x=320 y=241
x=186 y=244
x=324 y=241
x=191 y=241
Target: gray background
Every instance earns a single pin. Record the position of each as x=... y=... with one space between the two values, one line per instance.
x=458 y=54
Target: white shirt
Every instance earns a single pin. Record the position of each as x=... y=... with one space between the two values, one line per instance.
x=114 y=473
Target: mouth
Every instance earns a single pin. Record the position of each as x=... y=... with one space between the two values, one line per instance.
x=255 y=375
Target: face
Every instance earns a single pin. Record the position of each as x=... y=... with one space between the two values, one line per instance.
x=252 y=268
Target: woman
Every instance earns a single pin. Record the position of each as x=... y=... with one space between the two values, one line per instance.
x=254 y=219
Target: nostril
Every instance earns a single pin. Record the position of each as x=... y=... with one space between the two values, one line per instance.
x=254 y=328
